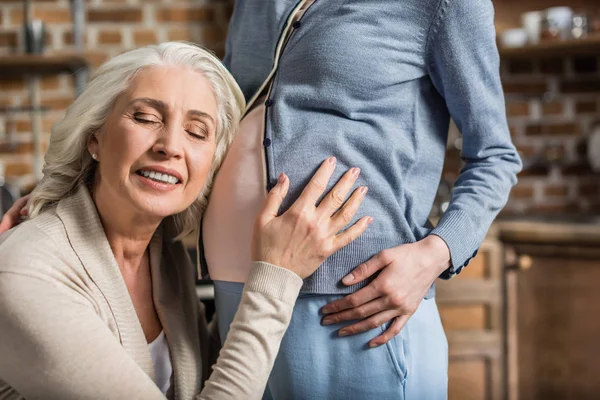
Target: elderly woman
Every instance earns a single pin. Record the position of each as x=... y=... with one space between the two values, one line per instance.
x=97 y=300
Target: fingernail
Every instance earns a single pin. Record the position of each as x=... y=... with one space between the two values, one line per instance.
x=355 y=171
x=327 y=321
x=281 y=178
x=331 y=160
x=326 y=310
x=369 y=220
x=364 y=190
x=348 y=279
x=343 y=332
x=372 y=345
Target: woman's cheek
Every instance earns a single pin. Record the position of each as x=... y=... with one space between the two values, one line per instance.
x=200 y=166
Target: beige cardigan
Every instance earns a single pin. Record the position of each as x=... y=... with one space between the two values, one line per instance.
x=68 y=328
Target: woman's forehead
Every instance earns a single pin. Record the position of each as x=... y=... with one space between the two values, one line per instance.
x=174 y=87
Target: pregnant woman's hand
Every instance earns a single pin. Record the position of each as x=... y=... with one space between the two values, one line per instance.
x=306 y=234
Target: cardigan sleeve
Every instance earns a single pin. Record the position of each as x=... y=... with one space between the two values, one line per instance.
x=248 y=354
x=463 y=64
x=54 y=346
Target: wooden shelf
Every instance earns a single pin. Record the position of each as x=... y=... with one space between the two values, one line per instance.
x=21 y=64
x=589 y=45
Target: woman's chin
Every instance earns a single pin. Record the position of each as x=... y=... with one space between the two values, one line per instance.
x=156 y=207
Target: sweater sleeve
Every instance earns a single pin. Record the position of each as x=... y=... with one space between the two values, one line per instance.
x=248 y=354
x=54 y=346
x=463 y=64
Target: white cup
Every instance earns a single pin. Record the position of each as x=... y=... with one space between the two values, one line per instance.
x=511 y=38
x=562 y=18
x=532 y=22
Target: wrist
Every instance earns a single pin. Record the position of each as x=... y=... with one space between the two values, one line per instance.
x=437 y=252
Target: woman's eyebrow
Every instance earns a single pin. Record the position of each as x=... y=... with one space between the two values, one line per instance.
x=159 y=105
x=201 y=114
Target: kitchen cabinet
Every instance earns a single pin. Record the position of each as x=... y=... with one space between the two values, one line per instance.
x=471 y=307
x=553 y=310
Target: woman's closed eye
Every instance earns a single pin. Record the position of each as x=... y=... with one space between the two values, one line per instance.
x=197 y=132
x=144 y=118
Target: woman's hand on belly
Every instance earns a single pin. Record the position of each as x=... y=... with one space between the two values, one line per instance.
x=407 y=272
x=306 y=234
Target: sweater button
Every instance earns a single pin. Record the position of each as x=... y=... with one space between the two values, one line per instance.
x=296 y=24
x=267 y=142
x=268 y=103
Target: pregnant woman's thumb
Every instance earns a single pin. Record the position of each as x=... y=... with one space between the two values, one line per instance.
x=274 y=199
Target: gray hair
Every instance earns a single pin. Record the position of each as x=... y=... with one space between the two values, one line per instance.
x=68 y=162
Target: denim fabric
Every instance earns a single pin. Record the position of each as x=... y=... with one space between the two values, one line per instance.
x=314 y=362
x=375 y=84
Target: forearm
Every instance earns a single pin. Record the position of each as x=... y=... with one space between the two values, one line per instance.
x=248 y=354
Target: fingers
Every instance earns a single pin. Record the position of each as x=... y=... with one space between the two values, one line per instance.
x=360 y=312
x=318 y=183
x=274 y=199
x=367 y=324
x=366 y=269
x=5 y=223
x=21 y=205
x=391 y=332
x=337 y=195
x=12 y=216
x=350 y=234
x=345 y=214
x=353 y=300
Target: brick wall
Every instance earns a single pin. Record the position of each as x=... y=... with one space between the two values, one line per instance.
x=113 y=26
x=552 y=105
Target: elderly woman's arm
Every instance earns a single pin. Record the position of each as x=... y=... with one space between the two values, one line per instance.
x=54 y=346
x=253 y=342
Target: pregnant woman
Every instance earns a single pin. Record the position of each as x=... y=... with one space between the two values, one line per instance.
x=375 y=84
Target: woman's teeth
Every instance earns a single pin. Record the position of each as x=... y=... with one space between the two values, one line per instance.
x=159 y=177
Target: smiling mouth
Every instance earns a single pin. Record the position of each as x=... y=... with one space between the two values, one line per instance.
x=158 y=177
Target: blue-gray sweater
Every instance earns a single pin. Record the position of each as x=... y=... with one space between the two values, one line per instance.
x=375 y=82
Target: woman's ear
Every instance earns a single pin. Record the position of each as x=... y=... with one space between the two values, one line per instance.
x=94 y=147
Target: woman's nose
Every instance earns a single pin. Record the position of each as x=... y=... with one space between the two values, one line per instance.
x=169 y=143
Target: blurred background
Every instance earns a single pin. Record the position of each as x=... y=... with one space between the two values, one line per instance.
x=523 y=319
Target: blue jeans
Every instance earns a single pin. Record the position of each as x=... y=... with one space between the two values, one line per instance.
x=315 y=363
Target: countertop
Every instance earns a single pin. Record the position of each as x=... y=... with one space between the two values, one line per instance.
x=565 y=230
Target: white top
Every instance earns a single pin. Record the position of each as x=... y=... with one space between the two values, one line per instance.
x=161 y=359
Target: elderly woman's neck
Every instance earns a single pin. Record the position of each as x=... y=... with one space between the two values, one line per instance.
x=128 y=233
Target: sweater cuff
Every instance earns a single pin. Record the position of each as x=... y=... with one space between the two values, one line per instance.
x=463 y=238
x=274 y=281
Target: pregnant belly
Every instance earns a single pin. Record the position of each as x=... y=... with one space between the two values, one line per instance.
x=237 y=197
